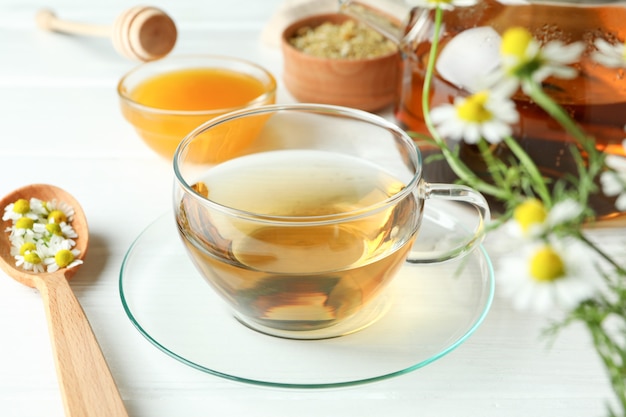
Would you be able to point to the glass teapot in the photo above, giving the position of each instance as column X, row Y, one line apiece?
column 469, row 48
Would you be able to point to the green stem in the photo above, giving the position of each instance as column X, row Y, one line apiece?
column 490, row 162
column 538, row 180
column 618, row 268
column 590, row 167
column 428, row 78
column 540, row 97
column 593, row 313
column 458, row 167
column 611, row 355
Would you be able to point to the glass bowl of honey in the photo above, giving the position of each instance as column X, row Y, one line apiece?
column 166, row 99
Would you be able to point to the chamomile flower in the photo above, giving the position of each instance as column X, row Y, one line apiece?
column 441, row 4
column 531, row 218
column 55, row 229
column 31, row 259
column 20, row 208
column 59, row 211
column 544, row 276
column 23, row 227
column 527, row 216
column 63, row 256
column 523, row 58
column 610, row 55
column 19, row 244
column 486, row 114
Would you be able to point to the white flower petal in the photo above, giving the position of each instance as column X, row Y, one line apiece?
column 571, row 292
column 451, row 129
column 608, row 60
column 564, row 211
column 607, row 48
column 563, row 72
column 543, row 298
column 442, row 113
column 464, row 3
column 616, row 162
column 558, row 52
column 503, row 85
column 620, row 203
column 496, row 132
column 611, row 185
column 609, row 55
column 472, row 133
column 524, row 297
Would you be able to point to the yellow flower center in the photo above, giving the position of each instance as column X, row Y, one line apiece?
column 57, row 216
column 515, row 42
column 24, row 223
column 27, row 247
column 473, row 108
column 63, row 258
column 546, row 265
column 530, row 212
column 32, row 258
column 21, row 206
column 54, row 229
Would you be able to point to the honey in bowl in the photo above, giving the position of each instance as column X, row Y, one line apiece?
column 198, row 89
column 166, row 100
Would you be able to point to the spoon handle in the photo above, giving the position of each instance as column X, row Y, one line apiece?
column 86, row 383
column 47, row 20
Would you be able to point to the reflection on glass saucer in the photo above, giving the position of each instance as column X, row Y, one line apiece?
column 434, row 309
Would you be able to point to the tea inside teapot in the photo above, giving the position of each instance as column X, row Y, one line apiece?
column 469, row 46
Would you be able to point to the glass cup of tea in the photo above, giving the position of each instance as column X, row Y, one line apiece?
column 303, row 230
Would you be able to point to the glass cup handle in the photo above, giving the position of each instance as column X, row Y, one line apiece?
column 449, row 243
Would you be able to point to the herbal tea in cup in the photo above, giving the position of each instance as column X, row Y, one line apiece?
column 302, row 233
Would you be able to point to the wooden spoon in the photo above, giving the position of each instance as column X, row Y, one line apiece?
column 87, row 387
column 141, row 33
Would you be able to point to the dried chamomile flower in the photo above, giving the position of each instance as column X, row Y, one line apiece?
column 41, row 234
column 348, row 40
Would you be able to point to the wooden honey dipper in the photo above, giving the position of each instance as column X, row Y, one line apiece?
column 141, row 33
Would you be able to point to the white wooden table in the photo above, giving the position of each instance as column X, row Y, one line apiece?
column 60, row 123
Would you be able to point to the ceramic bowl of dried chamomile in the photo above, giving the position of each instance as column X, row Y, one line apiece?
column 333, row 59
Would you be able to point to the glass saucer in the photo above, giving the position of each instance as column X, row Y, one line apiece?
column 434, row 309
